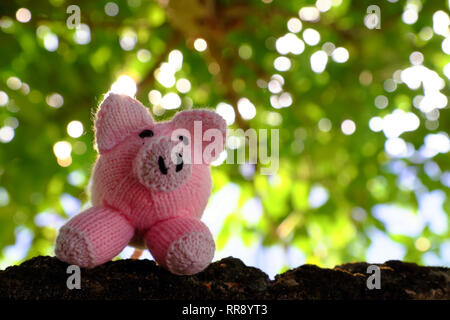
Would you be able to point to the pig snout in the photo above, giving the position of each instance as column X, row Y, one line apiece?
column 161, row 165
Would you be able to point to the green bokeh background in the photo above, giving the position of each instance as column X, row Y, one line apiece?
column 241, row 36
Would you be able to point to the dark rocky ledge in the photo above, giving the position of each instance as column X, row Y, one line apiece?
column 44, row 278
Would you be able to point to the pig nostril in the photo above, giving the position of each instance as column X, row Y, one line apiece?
column 162, row 166
column 179, row 166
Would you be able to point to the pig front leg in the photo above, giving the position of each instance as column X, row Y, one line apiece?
column 93, row 237
column 182, row 245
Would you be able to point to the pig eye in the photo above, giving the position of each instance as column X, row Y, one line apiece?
column 184, row 139
column 146, row 133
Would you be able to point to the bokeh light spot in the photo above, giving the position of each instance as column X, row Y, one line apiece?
column 124, row 85
column 294, row 25
column 75, row 129
column 62, row 149
column 200, row 45
column 171, row 101
column 55, row 100
column 111, row 9
column 246, row 109
column 227, row 112
column 348, row 127
column 23, row 15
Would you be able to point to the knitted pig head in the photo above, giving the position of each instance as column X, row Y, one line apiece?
column 150, row 186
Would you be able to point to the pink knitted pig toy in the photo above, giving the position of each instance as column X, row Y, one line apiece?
column 145, row 190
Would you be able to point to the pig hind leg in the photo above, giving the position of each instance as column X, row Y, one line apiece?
column 182, row 245
column 93, row 237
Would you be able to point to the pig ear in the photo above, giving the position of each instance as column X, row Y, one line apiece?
column 193, row 120
column 117, row 117
column 209, row 120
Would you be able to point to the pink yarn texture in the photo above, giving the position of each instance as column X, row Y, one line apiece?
column 145, row 192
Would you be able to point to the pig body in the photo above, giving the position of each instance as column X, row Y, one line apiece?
column 124, row 192
column 142, row 194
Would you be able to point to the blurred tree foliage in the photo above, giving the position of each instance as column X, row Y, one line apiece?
column 51, row 75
